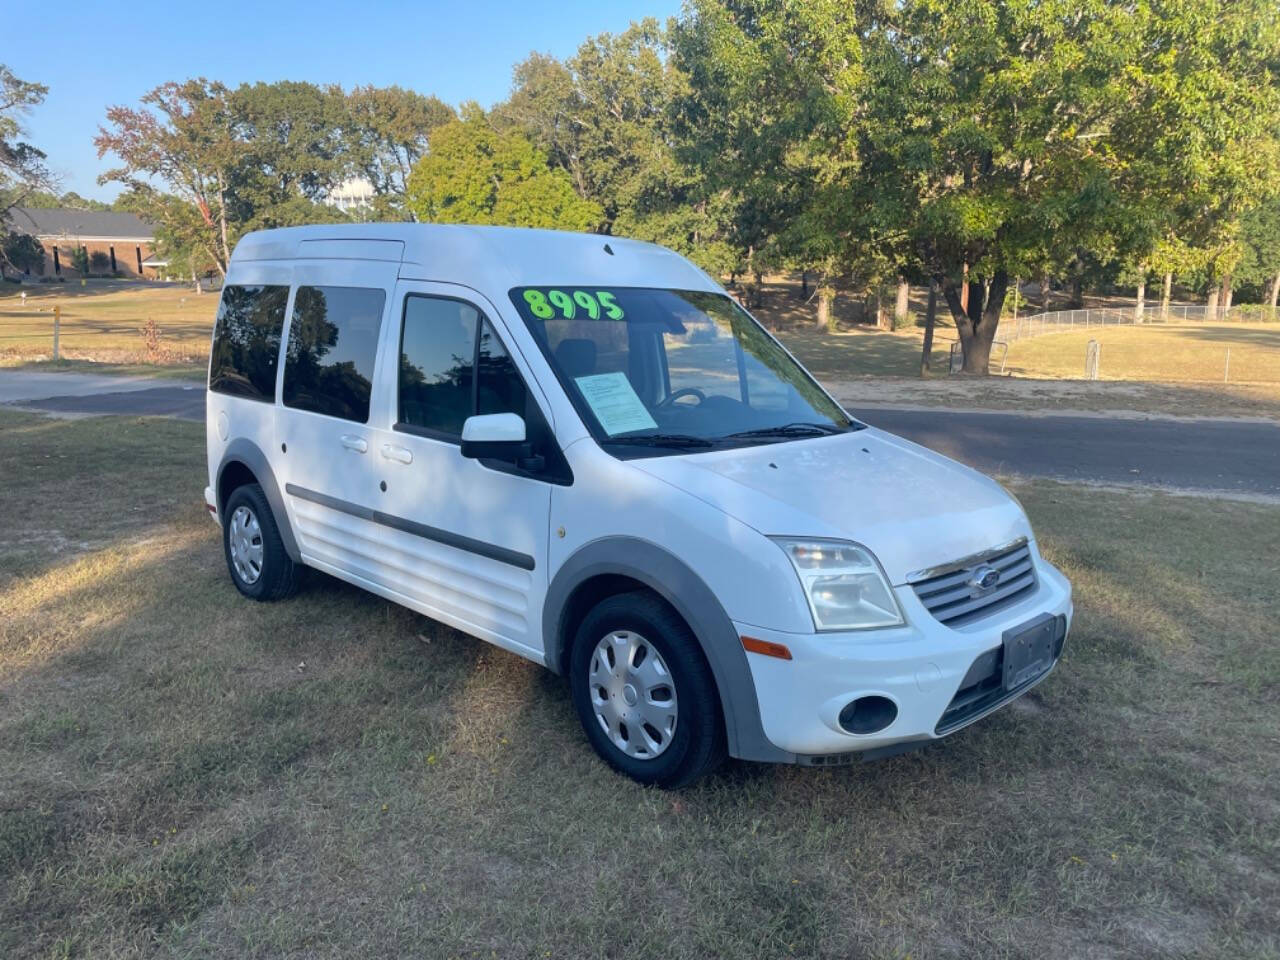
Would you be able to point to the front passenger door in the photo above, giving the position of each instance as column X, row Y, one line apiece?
column 469, row 543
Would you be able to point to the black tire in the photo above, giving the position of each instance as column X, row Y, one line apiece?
column 277, row 576
column 697, row 743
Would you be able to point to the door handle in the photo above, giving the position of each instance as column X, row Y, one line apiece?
column 399, row 454
column 352, row 442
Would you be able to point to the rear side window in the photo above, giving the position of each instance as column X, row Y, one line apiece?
column 246, row 342
column 333, row 341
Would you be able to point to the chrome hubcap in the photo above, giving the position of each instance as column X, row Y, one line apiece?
column 245, row 540
column 633, row 695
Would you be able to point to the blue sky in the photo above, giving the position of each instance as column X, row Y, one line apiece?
column 103, row 55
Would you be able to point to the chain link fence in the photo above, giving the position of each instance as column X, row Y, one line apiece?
column 1063, row 321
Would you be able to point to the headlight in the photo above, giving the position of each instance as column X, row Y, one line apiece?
column 843, row 583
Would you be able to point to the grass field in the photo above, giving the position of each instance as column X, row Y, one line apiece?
column 1174, row 353
column 187, row 773
column 105, row 322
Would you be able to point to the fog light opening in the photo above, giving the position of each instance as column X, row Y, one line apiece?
column 868, row 714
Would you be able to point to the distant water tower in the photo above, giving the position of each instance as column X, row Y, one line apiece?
column 351, row 196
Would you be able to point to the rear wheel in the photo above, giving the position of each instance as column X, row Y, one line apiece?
column 644, row 692
column 259, row 565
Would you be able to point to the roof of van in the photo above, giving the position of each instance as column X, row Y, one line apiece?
column 493, row 258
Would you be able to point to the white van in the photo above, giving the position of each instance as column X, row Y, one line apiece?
column 579, row 448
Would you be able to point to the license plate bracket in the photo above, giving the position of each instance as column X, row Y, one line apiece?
column 1028, row 651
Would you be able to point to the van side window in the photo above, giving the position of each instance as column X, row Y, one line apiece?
column 333, row 341
column 437, row 363
column 246, row 341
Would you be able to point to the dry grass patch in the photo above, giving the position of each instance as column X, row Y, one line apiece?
column 191, row 774
column 1176, row 353
column 156, row 325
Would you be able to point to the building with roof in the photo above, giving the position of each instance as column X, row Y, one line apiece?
column 125, row 241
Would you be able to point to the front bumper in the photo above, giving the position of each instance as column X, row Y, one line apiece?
column 920, row 667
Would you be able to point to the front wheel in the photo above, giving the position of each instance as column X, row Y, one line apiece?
column 259, row 565
column 644, row 692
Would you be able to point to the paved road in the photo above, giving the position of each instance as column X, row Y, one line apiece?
column 91, row 393
column 1234, row 456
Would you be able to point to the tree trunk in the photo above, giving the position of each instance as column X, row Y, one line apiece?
column 1141, row 300
column 759, row 298
column 824, row 308
column 1226, row 292
column 1275, row 289
column 964, row 288
column 1077, row 292
column 1167, row 293
column 804, row 284
column 902, row 303
column 1044, row 292
column 1211, row 303
column 224, row 259
column 976, row 326
column 930, row 315
column 195, row 278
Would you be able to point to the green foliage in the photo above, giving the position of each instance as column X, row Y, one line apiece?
column 22, row 252
column 607, row 118
column 478, row 174
column 22, row 167
column 1088, row 140
column 386, row 130
column 79, row 260
column 99, row 261
column 48, row 200
column 1259, row 244
column 1010, row 137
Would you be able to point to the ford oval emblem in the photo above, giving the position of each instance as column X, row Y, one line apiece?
column 983, row 579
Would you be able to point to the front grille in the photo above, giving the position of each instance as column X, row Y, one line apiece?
column 952, row 600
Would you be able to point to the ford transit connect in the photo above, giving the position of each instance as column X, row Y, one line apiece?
column 580, row 449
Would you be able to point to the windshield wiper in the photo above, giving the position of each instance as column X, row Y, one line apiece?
column 788, row 430
column 663, row 440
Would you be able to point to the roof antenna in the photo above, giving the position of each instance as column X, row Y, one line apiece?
column 608, row 249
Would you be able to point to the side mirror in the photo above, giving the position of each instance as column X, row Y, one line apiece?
column 494, row 436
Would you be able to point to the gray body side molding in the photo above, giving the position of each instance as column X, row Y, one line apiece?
column 683, row 589
column 247, row 452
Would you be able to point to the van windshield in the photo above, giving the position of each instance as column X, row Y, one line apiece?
column 659, row 371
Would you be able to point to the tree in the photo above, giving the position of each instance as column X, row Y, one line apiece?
column 766, row 118
column 48, row 200
column 182, row 237
column 291, row 153
column 1060, row 130
column 606, row 117
column 22, row 166
column 1260, row 250
column 386, row 131
column 185, row 136
column 22, row 252
column 476, row 174
column 79, row 260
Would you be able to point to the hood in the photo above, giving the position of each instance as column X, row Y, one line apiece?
column 911, row 507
